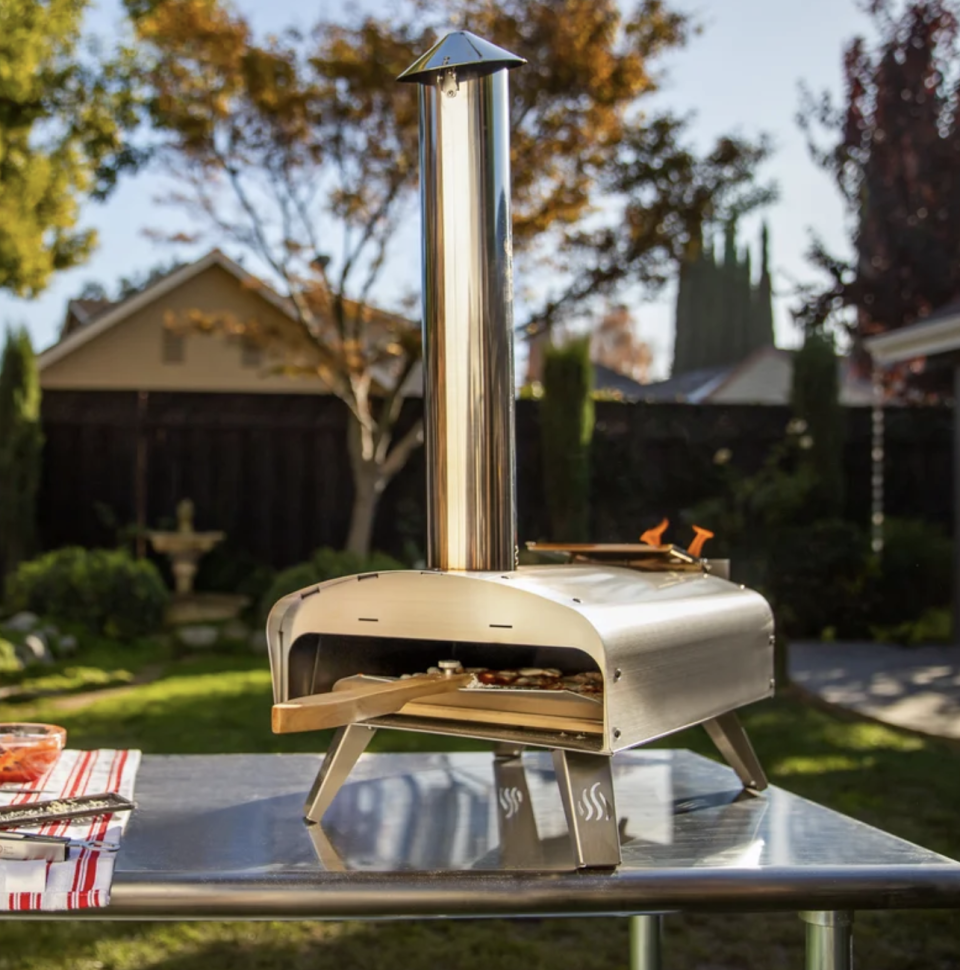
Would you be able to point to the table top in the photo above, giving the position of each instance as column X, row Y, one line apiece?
column 222, row 836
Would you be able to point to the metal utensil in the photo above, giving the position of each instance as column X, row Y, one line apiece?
column 62, row 809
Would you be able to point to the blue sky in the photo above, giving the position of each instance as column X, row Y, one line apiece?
column 740, row 74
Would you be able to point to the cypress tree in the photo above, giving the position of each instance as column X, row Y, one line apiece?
column 721, row 317
column 566, row 431
column 21, row 441
column 763, row 335
column 743, row 346
column 724, row 336
column 816, row 400
column 705, row 307
column 686, row 292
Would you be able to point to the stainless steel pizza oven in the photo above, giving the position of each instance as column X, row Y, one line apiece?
column 614, row 648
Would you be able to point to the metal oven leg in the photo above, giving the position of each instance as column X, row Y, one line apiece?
column 727, row 733
column 348, row 744
column 586, row 789
column 829, row 940
column 520, row 845
column 645, row 946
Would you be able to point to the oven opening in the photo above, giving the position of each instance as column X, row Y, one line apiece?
column 317, row 661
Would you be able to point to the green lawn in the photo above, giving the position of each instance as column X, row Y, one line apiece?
column 905, row 784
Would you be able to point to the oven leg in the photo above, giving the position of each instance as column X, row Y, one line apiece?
column 645, row 941
column 348, row 744
column 520, row 845
column 586, row 790
column 829, row 940
column 727, row 733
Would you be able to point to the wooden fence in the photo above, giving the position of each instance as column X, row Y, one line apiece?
column 271, row 470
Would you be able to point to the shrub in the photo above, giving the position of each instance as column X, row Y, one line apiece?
column 566, row 431
column 916, row 572
column 106, row 591
column 821, row 577
column 8, row 657
column 21, row 444
column 325, row 564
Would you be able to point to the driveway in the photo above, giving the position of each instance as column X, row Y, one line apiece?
column 916, row 687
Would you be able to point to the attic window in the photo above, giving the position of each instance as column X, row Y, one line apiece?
column 174, row 347
column 250, row 354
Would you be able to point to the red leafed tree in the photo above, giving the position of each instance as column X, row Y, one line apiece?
column 895, row 161
column 615, row 344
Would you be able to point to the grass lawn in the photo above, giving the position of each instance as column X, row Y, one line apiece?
column 905, row 784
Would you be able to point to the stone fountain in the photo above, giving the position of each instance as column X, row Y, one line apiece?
column 184, row 547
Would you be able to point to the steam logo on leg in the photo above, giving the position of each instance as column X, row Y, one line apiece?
column 510, row 801
column 593, row 805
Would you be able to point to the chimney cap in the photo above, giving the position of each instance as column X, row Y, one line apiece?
column 464, row 50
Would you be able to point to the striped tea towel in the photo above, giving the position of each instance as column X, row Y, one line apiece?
column 83, row 881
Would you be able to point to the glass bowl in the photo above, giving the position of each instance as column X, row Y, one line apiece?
column 29, row 751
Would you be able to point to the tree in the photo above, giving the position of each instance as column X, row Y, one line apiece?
column 129, row 285
column 303, row 153
column 614, row 343
column 21, row 441
column 566, row 430
column 63, row 123
column 762, row 312
column 721, row 316
column 816, row 402
column 894, row 158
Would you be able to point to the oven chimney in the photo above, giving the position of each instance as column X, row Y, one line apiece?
column 467, row 255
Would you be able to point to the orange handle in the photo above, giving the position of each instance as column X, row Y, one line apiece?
column 654, row 537
column 700, row 537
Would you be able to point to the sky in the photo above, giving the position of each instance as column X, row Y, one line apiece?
column 741, row 74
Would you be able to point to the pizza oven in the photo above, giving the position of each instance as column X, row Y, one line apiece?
column 613, row 647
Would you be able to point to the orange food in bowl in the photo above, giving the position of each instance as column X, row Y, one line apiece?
column 29, row 751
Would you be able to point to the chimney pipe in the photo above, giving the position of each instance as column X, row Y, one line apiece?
column 467, row 259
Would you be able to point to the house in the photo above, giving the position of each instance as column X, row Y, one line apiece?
column 127, row 346
column 765, row 377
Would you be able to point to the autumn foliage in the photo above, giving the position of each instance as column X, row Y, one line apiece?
column 301, row 151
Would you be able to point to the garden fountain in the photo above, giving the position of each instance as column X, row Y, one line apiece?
column 184, row 547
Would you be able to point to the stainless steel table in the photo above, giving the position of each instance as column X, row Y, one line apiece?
column 221, row 837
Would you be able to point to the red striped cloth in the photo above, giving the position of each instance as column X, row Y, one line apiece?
column 83, row 881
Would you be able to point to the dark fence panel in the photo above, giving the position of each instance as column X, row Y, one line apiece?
column 272, row 470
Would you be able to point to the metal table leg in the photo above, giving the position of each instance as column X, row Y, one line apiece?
column 645, row 942
column 829, row 940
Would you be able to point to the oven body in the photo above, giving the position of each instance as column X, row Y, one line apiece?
column 673, row 649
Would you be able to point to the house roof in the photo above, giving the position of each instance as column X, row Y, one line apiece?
column 87, row 310
column 694, row 387
column 706, row 386
column 607, row 379
column 937, row 334
column 115, row 313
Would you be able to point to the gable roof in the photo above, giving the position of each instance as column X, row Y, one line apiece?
column 114, row 313
column 704, row 386
column 693, row 387
column 607, row 379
